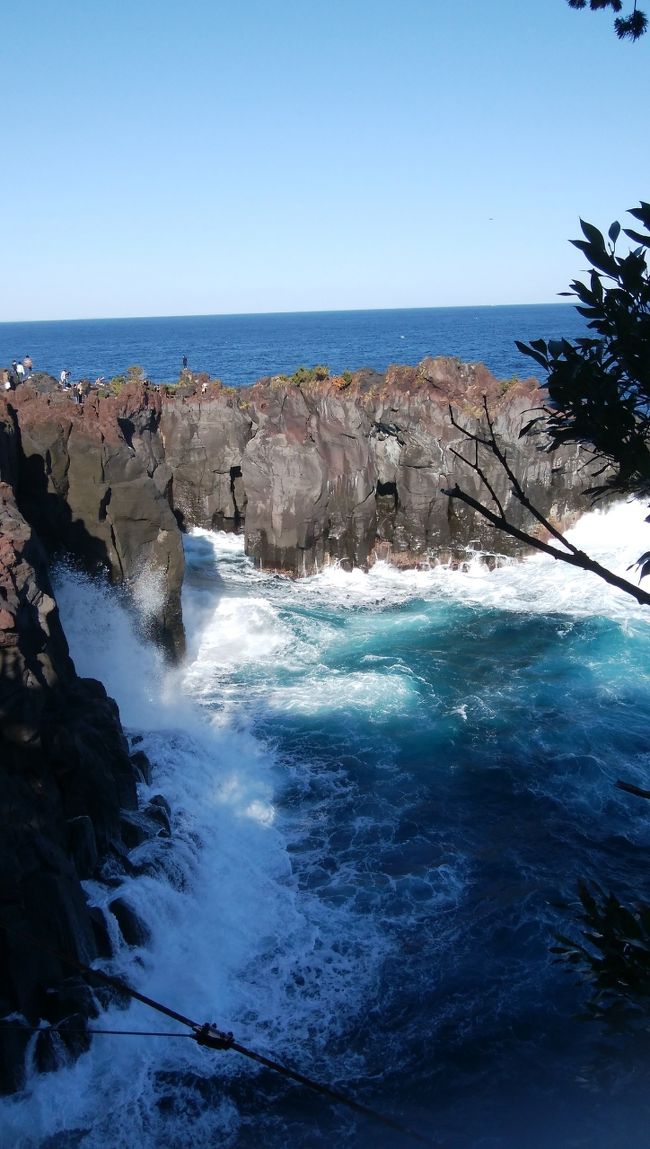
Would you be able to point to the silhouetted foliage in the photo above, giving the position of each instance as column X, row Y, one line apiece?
column 629, row 27
column 598, row 393
column 599, row 386
column 613, row 957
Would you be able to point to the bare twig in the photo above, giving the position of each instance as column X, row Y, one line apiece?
column 571, row 554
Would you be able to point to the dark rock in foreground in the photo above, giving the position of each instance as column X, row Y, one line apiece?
column 65, row 775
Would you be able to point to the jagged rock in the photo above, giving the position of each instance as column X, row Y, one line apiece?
column 309, row 479
column 132, row 928
column 141, row 765
column 73, row 1031
column 356, row 473
column 204, row 440
column 159, row 810
column 14, row 1040
column 71, row 996
column 142, row 825
column 94, row 483
column 65, row 774
column 88, row 753
column 83, row 845
column 59, row 1044
column 321, row 472
column 101, row 935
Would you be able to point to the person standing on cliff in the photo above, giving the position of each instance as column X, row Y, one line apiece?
column 185, row 363
column 27, row 364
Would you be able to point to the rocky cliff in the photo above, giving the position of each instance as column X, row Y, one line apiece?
column 93, row 482
column 325, row 470
column 66, row 779
column 321, row 470
column 352, row 469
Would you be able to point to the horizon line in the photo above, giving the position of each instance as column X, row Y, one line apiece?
column 270, row 314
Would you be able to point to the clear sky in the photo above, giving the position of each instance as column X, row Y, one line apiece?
column 171, row 157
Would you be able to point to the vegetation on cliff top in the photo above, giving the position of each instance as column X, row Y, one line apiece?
column 631, row 26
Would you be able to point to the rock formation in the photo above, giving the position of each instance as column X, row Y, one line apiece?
column 93, row 482
column 328, row 470
column 346, row 469
column 351, row 470
column 65, row 779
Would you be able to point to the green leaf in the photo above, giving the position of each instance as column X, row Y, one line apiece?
column 638, row 237
column 532, row 353
column 592, row 234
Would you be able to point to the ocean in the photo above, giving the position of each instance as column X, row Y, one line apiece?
column 238, row 349
column 384, row 787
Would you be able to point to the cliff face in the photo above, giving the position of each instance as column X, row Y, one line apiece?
column 93, row 482
column 203, row 440
column 335, row 470
column 65, row 778
column 338, row 470
column 354, row 471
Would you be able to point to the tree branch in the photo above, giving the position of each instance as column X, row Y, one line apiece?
column 571, row 554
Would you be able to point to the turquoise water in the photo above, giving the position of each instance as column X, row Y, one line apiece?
column 448, row 773
column 382, row 786
column 239, row 349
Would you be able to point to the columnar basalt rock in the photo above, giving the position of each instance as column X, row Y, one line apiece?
column 346, row 470
column 204, row 438
column 351, row 471
column 309, row 479
column 416, row 448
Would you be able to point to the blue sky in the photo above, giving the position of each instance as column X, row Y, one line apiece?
column 198, row 157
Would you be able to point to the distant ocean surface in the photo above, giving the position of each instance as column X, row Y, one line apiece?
column 238, row 349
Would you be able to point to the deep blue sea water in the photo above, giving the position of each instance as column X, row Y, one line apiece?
column 383, row 786
column 238, row 349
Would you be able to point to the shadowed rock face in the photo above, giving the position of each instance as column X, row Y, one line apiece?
column 64, row 768
column 204, row 441
column 93, row 482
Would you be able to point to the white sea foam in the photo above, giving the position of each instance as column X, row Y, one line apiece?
column 233, row 939
column 253, row 925
column 615, row 537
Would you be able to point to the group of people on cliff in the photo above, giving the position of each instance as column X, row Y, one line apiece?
column 19, row 371
column 80, row 390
